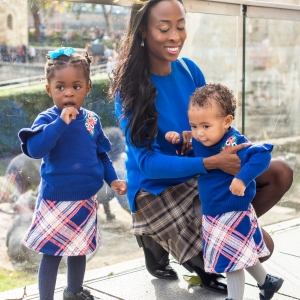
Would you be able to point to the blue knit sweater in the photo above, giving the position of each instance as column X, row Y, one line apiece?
column 215, row 195
column 74, row 159
column 158, row 169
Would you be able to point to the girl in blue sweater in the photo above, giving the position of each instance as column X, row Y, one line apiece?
column 73, row 148
column 232, row 239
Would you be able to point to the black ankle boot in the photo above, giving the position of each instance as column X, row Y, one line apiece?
column 271, row 285
column 82, row 295
column 210, row 281
column 156, row 258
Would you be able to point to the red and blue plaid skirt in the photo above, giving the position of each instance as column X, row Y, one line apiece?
column 232, row 241
column 64, row 227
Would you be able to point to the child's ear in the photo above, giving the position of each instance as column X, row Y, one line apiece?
column 48, row 90
column 228, row 121
column 88, row 89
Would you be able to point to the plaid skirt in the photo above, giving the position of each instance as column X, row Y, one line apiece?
column 64, row 227
column 232, row 241
column 170, row 219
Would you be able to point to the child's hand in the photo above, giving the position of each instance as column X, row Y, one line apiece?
column 119, row 186
column 68, row 114
column 187, row 145
column 237, row 187
column 172, row 137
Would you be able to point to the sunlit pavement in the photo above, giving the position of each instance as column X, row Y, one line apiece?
column 131, row 281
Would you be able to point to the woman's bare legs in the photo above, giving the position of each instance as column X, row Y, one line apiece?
column 270, row 187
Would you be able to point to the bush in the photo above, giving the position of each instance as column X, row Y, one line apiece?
column 20, row 106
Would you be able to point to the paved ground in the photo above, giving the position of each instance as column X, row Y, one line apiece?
column 131, row 281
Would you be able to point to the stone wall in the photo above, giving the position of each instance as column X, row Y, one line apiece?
column 13, row 23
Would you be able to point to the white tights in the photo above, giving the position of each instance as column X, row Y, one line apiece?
column 236, row 280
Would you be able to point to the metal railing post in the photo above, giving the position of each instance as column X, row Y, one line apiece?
column 244, row 69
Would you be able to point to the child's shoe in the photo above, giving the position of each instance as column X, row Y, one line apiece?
column 82, row 295
column 270, row 287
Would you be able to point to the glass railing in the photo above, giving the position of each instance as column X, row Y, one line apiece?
column 265, row 81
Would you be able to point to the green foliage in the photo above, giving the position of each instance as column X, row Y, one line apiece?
column 20, row 106
column 56, row 40
column 13, row 279
column 193, row 280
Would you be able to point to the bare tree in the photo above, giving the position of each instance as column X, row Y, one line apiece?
column 35, row 8
column 107, row 16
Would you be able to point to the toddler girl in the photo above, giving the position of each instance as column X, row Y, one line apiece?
column 232, row 239
column 73, row 148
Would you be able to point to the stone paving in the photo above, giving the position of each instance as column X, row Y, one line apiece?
column 131, row 281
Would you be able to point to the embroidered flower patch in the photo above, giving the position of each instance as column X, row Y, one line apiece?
column 230, row 142
column 90, row 122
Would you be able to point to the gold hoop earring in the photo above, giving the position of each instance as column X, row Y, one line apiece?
column 143, row 43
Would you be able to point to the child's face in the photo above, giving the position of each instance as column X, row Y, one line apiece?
column 68, row 87
column 206, row 124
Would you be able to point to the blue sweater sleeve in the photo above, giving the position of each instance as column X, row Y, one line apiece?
column 156, row 165
column 38, row 140
column 255, row 159
column 104, row 146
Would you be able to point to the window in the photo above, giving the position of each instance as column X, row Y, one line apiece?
column 9, row 22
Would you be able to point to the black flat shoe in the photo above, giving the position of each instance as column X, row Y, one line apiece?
column 82, row 295
column 163, row 272
column 210, row 281
column 271, row 285
column 156, row 259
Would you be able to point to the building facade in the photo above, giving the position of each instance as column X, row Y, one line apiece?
column 13, row 22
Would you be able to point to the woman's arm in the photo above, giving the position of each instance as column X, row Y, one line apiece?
column 156, row 165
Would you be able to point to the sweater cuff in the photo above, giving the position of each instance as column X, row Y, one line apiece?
column 245, row 176
column 59, row 125
column 110, row 176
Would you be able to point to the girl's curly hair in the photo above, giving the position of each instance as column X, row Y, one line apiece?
column 216, row 93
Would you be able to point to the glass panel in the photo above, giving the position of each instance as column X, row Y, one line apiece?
column 23, row 96
column 292, row 2
column 272, row 98
column 212, row 44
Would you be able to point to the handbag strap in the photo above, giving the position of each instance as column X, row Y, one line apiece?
column 185, row 66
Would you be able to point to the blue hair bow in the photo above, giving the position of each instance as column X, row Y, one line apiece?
column 60, row 51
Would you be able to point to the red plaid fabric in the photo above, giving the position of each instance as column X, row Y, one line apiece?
column 232, row 241
column 64, row 228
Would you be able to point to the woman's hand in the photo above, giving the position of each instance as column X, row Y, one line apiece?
column 227, row 160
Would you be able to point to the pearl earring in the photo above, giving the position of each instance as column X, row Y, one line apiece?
column 143, row 43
